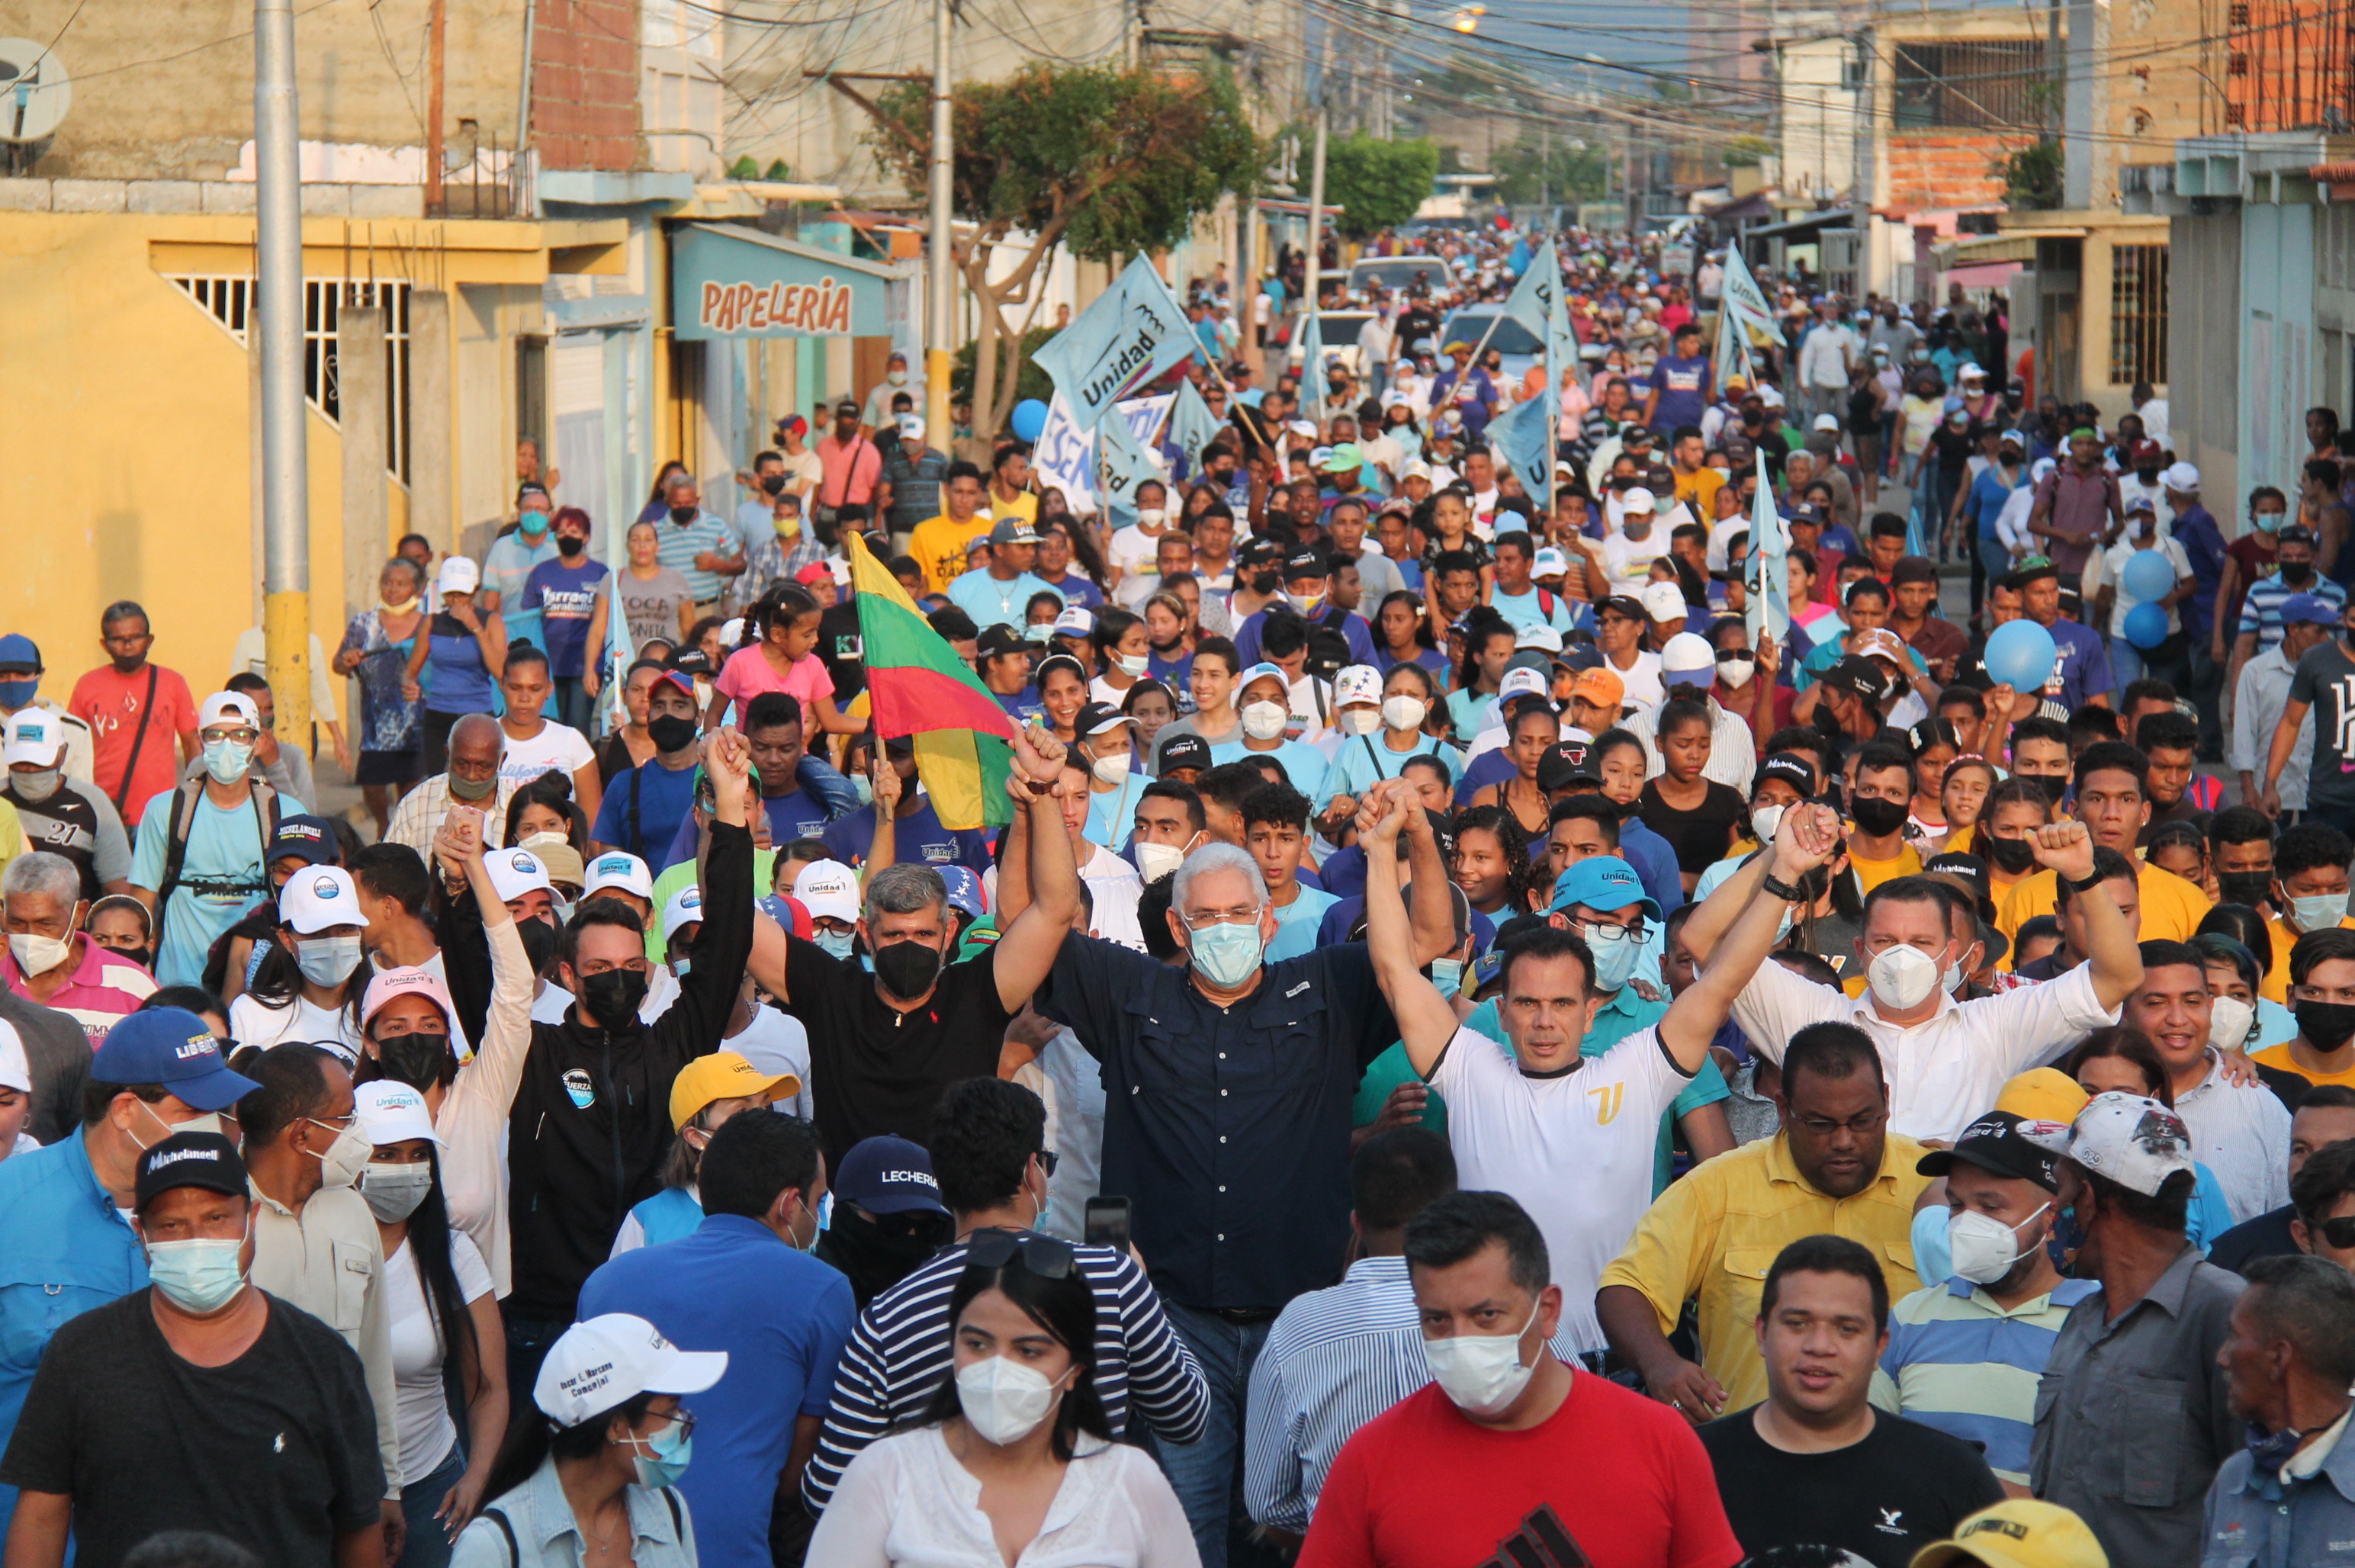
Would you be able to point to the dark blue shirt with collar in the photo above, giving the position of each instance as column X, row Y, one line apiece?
column 2261, row 1519
column 2203, row 544
column 919, row 838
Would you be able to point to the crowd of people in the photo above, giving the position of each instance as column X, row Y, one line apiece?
column 1444, row 1047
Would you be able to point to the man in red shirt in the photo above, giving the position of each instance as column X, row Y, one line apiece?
column 851, row 467
column 1511, row 1455
column 136, row 712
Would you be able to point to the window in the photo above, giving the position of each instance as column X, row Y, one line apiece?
column 229, row 300
column 2137, row 315
column 1993, row 84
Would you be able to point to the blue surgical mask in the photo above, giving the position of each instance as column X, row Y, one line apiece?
column 1615, row 959
column 15, row 694
column 532, row 525
column 2268, row 522
column 1227, row 954
column 2323, row 912
column 327, row 960
column 671, row 1449
column 227, row 760
column 200, row 1276
column 836, row 943
column 1447, row 973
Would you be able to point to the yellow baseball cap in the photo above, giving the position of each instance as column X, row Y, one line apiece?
column 2020, row 1533
column 723, row 1075
column 2043, row 1094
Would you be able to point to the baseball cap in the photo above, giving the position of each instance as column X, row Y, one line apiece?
column 685, row 908
column 17, row 648
column 2180, row 477
column 619, row 870
column 2018, row 1532
column 885, row 1175
column 1687, row 652
column 2043, row 1094
column 1536, row 634
column 314, row 900
column 1826, row 421
column 1880, row 643
column 1792, row 769
column 1185, row 752
column 1855, row 674
column 2142, row 506
column 1600, row 687
column 2130, row 1139
column 189, row 1160
column 1550, row 562
column 1602, row 882
column 310, row 839
column 911, row 427
column 847, row 406
column 1074, row 622
column 680, row 677
column 232, row 706
column 1343, row 458
column 608, row 1360
column 458, row 574
column 515, row 872
column 175, row 1048
column 964, row 888
column 1993, row 1144
column 829, row 890
column 34, row 735
column 1565, row 763
column 1307, row 561
column 1000, row 638
column 2305, row 609
column 562, row 863
column 1096, row 717
column 15, row 1068
column 1522, row 682
column 1013, row 531
column 2011, row 438
column 1259, row 671
column 723, row 1075
column 390, row 1112
column 1664, row 601
column 389, row 983
column 1357, row 683
column 1637, row 499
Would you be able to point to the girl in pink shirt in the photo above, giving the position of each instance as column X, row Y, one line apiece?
column 785, row 620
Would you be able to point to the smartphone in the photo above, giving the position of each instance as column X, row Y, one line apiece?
column 1107, row 1223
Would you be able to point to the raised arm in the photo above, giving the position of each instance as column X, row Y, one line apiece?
column 693, row 1025
column 1030, row 939
column 1426, row 1023
column 1708, row 924
column 883, row 843
column 1806, row 839
column 1435, row 921
column 2066, row 849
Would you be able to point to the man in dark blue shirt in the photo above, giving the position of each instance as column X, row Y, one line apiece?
column 799, row 793
column 2195, row 529
column 1682, row 385
column 643, row 807
column 918, row 835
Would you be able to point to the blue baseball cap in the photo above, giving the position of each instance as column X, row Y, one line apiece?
column 1603, row 882
column 17, row 648
column 965, row 890
column 175, row 1048
column 2298, row 609
column 885, row 1175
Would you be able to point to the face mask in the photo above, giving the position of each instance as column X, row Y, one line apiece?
column 2250, row 887
column 836, row 943
column 1134, row 664
column 1447, row 973
column 614, row 996
column 1736, row 673
column 15, row 694
column 897, row 378
column 2326, row 1025
column 1614, row 961
column 774, row 483
column 210, row 1123
column 2297, row 576
column 664, row 1461
column 1003, row 1401
column 1154, row 861
column 1306, row 603
column 1111, row 770
column 1405, row 713
column 327, row 960
column 1984, row 1247
column 1481, row 1372
column 1878, row 817
column 788, row 527
column 394, row 1191
column 1150, row 518
column 2268, row 522
column 227, row 760
column 344, row 1158
column 1359, row 721
column 532, row 525
column 2228, row 1023
column 35, row 784
column 538, row 939
column 198, row 1276
column 1227, row 954
column 2054, row 785
column 406, row 606
column 1765, row 821
column 139, row 955
column 906, row 969
column 1265, row 720
column 39, row 954
column 462, row 788
column 683, row 516
column 670, row 732
column 2320, row 912
column 1262, row 582
column 1903, row 977
column 569, row 545
column 416, row 1060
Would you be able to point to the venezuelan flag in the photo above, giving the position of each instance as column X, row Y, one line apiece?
column 918, row 685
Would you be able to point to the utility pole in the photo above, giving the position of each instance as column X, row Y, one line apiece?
column 940, row 331
column 278, row 317
column 1864, row 175
column 1316, row 234
column 437, row 29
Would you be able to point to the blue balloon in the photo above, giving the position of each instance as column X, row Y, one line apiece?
column 2148, row 575
column 1030, row 417
column 2020, row 655
column 2146, row 626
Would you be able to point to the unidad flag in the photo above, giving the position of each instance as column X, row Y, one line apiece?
column 1065, row 457
column 1744, row 320
column 1122, row 464
column 1134, row 332
column 1192, row 425
column 1524, row 433
column 1312, row 367
column 1766, row 600
column 1536, row 297
column 918, row 685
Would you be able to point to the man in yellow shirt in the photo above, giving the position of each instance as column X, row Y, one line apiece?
column 2114, row 803
column 2322, row 995
column 939, row 543
column 1835, row 1168
column 1009, row 476
column 2310, row 890
column 1877, row 851
column 1696, row 484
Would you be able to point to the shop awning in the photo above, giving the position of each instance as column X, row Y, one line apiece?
column 733, row 281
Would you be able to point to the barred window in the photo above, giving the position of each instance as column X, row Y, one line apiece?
column 1991, row 84
column 2137, row 315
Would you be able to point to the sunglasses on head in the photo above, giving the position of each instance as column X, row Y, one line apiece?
column 2339, row 1233
column 1049, row 1257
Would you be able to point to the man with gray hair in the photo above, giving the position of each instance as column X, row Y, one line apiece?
column 885, row 1042
column 698, row 544
column 2284, row 1497
column 1232, row 1132
column 51, row 960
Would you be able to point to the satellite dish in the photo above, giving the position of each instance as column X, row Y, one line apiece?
column 35, row 91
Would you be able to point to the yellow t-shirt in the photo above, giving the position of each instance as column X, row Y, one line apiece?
column 2278, row 1056
column 1699, row 490
column 938, row 544
column 2275, row 987
column 1024, row 506
column 1871, row 874
column 2172, row 907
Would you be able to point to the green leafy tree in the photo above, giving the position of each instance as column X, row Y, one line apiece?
column 1377, row 183
column 1747, row 152
column 1105, row 161
column 2030, row 175
column 1567, row 171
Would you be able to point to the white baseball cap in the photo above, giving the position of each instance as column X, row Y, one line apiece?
column 1074, row 622
column 392, row 1112
column 318, row 897
column 1687, row 652
column 1665, row 602
column 620, row 870
column 829, row 890
column 1264, row 671
column 685, row 908
column 1826, row 421
column 1357, row 683
column 911, row 427
column 231, row 705
column 15, row 1070
column 515, row 872
column 1521, row 683
column 1550, row 562
column 1638, row 500
column 2130, row 1139
column 458, row 575
column 609, row 1361
column 1538, row 635
column 34, row 735
column 2182, row 478
column 731, row 632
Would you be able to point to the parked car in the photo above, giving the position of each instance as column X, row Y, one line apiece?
column 1520, row 346
column 1340, row 328
column 1372, row 273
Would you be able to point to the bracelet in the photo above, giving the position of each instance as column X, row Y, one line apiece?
column 1782, row 889
column 2088, row 884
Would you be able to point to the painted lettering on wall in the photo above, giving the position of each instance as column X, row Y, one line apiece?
column 823, row 307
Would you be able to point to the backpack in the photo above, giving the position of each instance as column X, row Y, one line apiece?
column 176, row 840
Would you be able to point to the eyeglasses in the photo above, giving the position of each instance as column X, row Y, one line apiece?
column 1824, row 1126
column 1595, row 931
column 1049, row 1257
column 682, row 1418
column 1202, row 920
column 2339, row 1233
column 242, row 737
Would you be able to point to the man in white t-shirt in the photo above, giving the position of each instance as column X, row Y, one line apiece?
column 1571, row 1139
column 1628, row 554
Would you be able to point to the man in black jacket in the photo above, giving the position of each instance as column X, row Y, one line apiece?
column 590, row 1121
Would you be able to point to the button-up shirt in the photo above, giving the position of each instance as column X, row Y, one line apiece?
column 418, row 816
column 1947, row 1068
column 1959, row 1362
column 1732, row 751
column 1336, row 1359
column 548, row 1535
column 2131, row 1419
column 677, row 545
column 1230, row 1125
column 2305, row 1515
column 2082, row 506
column 1710, row 1238
column 328, row 1261
column 2258, row 703
column 2242, row 1135
column 64, row 1249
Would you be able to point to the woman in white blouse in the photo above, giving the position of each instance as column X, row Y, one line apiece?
column 1012, row 1463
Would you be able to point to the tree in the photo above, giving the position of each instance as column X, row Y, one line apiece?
column 1105, row 161
column 1377, row 184
column 1566, row 172
column 2030, row 175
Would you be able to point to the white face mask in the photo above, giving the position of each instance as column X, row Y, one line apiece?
column 1359, row 721
column 897, row 378
column 1764, row 820
column 1154, row 861
column 1111, row 770
column 1405, row 713
column 1481, row 1372
column 1984, row 1247
column 1151, row 517
column 394, row 1191
column 1902, row 977
column 38, row 955
column 1003, row 1401
column 1736, row 673
column 1265, row 720
column 2229, row 1021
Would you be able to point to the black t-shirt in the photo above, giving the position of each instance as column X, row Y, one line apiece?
column 875, row 1069
column 1955, row 446
column 840, row 649
column 275, row 1450
column 1700, row 836
column 1883, row 1499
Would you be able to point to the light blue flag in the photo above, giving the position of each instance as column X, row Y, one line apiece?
column 1524, row 433
column 1122, row 464
column 1312, row 366
column 1134, row 332
column 1192, row 425
column 1537, row 296
column 1742, row 312
column 1766, row 587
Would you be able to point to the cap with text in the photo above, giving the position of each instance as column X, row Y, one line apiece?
column 609, row 1361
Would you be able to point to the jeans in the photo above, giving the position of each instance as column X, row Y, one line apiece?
column 428, row 1546
column 571, row 705
column 528, row 1342
column 1208, row 1474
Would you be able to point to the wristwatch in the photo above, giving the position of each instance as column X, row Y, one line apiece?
column 2088, row 884
column 1782, row 889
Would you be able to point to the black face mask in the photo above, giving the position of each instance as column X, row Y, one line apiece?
column 143, row 956
column 568, row 546
column 2054, row 785
column 2012, row 855
column 775, row 484
column 1877, row 817
column 538, row 942
column 1262, row 581
column 877, row 1253
column 670, row 732
column 2326, row 1025
column 416, row 1060
column 906, row 969
column 683, row 516
column 2297, row 576
column 613, row 997
column 2250, row 887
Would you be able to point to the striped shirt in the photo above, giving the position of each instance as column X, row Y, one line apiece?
column 899, row 1353
column 2261, row 609
column 681, row 543
column 1334, row 1359
column 1958, row 1362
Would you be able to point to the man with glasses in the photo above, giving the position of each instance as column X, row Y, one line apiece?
column 198, row 864
column 136, row 711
